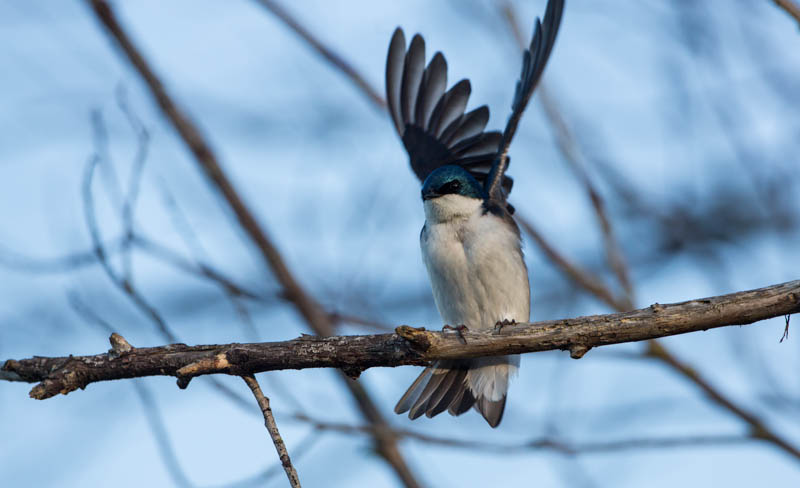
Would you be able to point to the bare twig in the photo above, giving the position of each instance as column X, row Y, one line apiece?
column 547, row 443
column 87, row 313
column 132, row 195
column 192, row 242
column 570, row 151
column 317, row 318
column 121, row 282
column 272, row 428
column 409, row 345
column 170, row 457
column 785, row 334
column 125, row 285
column 790, row 7
column 326, row 52
column 303, row 447
column 197, row 268
column 655, row 350
column 758, row 429
column 581, row 277
column 61, row 264
column 159, row 430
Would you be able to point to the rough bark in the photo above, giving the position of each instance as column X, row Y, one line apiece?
column 408, row 346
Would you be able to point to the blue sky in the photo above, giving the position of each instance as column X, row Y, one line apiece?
column 673, row 98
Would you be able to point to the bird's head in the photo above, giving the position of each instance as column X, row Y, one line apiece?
column 450, row 192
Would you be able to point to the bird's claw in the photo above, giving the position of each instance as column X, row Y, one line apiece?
column 502, row 323
column 459, row 330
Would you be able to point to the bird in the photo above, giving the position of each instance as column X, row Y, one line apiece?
column 470, row 243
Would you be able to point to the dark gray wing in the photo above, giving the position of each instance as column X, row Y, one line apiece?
column 533, row 63
column 432, row 122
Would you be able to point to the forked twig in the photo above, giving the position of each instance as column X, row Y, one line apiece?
column 311, row 311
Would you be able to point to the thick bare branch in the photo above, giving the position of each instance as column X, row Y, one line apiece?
column 408, row 345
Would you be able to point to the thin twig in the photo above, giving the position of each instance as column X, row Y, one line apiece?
column 190, row 238
column 121, row 283
column 326, row 52
column 542, row 443
column 159, row 429
column 272, row 428
column 259, row 479
column 134, row 183
column 61, row 264
column 125, row 286
column 570, row 151
column 581, row 277
column 317, row 318
column 655, row 349
column 758, row 429
column 197, row 268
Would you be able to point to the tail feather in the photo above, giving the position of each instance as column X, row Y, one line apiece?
column 450, row 387
column 462, row 403
column 411, row 395
column 457, row 386
column 435, row 381
column 492, row 410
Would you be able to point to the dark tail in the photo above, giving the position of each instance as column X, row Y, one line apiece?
column 445, row 386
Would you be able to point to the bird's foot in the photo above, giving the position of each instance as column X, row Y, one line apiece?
column 459, row 330
column 502, row 323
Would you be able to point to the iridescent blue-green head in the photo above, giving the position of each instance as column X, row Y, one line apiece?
column 449, row 180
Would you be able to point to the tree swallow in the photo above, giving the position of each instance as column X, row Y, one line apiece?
column 470, row 243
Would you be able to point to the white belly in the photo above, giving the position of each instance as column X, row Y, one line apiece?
column 476, row 271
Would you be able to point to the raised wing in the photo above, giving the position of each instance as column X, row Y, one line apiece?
column 432, row 122
column 533, row 63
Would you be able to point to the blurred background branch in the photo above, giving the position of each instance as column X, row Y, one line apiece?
column 306, row 306
column 664, row 169
column 790, row 7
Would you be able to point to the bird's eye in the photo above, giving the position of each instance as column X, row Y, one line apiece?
column 450, row 187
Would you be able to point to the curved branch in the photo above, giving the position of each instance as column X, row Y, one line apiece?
column 311, row 311
column 790, row 8
column 408, row 346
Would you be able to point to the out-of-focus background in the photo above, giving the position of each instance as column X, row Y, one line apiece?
column 681, row 115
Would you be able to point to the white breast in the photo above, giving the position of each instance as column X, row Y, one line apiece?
column 475, row 264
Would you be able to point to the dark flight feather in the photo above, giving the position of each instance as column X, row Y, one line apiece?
column 430, row 119
column 534, row 61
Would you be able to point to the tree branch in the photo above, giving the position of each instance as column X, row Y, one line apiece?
column 311, row 311
column 544, row 443
column 326, row 52
column 408, row 346
column 272, row 428
column 790, row 8
column 568, row 146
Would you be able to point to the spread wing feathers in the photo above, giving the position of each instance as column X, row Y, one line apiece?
column 431, row 120
column 533, row 63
